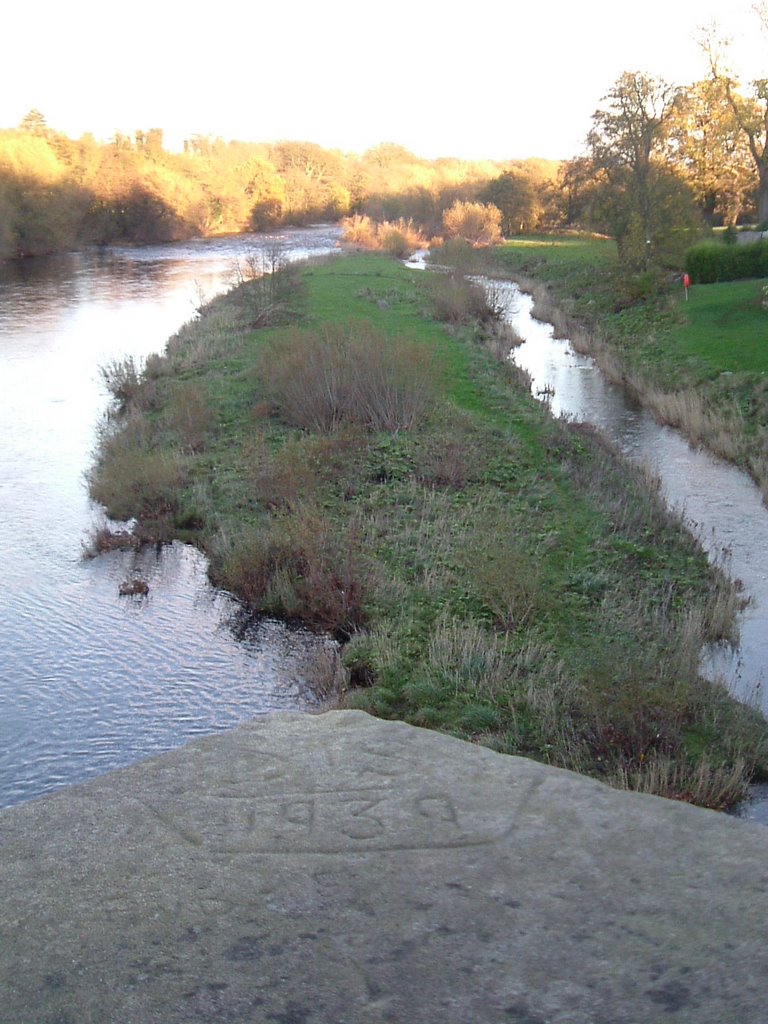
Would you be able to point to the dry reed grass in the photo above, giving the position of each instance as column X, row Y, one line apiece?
column 348, row 375
column 703, row 783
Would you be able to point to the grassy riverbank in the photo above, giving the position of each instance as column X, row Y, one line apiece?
column 351, row 461
column 701, row 365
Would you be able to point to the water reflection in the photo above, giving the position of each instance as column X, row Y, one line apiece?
column 92, row 680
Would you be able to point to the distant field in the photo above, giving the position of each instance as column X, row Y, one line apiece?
column 565, row 258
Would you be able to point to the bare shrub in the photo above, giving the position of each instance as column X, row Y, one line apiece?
column 398, row 238
column 299, row 568
column 359, row 230
column 394, row 242
column 477, row 223
column 457, row 299
column 321, row 380
column 124, row 380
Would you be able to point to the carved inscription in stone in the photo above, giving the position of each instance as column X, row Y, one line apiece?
column 329, row 821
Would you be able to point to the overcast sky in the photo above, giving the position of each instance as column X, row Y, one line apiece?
column 479, row 79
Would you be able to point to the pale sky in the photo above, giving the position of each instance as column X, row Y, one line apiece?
column 498, row 80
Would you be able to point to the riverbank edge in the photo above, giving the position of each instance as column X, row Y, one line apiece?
column 448, row 662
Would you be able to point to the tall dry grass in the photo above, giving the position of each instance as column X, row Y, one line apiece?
column 322, row 380
column 703, row 783
column 299, row 566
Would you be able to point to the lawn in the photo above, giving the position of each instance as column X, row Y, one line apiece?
column 725, row 327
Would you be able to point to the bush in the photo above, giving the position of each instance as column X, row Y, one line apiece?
column 348, row 375
column 298, row 568
column 711, row 262
column 140, row 482
column 458, row 300
column 477, row 223
column 123, row 379
column 398, row 238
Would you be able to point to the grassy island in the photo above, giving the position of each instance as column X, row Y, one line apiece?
column 352, row 449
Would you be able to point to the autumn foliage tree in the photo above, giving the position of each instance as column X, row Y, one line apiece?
column 476, row 223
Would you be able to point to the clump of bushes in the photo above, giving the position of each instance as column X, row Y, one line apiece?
column 321, row 380
column 135, row 477
column 711, row 262
column 398, row 237
column 301, row 567
column 476, row 223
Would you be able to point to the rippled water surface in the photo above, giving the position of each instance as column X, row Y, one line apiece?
column 90, row 680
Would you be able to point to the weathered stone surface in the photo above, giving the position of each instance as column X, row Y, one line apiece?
column 332, row 869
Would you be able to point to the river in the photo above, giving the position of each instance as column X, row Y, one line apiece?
column 91, row 680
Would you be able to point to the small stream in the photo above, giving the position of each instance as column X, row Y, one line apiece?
column 718, row 502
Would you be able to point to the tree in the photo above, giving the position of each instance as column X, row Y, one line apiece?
column 708, row 146
column 626, row 137
column 515, row 196
column 578, row 181
column 750, row 112
column 35, row 123
column 477, row 223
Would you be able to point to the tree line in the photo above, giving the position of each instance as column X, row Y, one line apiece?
column 58, row 193
column 664, row 163
column 661, row 164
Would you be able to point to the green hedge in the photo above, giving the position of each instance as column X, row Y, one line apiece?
column 711, row 261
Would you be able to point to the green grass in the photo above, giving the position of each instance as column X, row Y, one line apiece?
column 494, row 573
column 724, row 327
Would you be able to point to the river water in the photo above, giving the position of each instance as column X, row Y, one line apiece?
column 89, row 680
column 719, row 503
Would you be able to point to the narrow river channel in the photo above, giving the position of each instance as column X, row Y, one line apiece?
column 720, row 504
column 90, row 680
